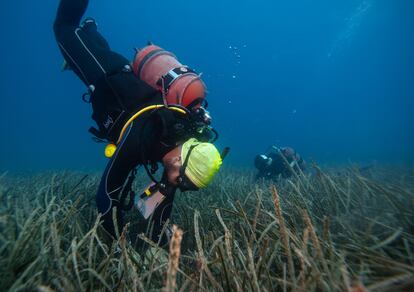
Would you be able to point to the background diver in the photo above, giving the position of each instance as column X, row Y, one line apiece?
column 132, row 106
column 278, row 162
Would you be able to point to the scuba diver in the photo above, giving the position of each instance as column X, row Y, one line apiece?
column 150, row 110
column 278, row 162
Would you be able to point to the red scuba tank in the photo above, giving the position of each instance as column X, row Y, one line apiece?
column 161, row 70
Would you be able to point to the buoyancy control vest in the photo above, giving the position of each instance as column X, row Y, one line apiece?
column 156, row 77
column 115, row 98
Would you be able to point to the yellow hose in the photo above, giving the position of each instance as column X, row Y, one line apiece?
column 111, row 148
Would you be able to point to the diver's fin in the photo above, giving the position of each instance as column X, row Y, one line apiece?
column 65, row 66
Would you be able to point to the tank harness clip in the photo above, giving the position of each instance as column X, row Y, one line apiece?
column 126, row 69
column 86, row 97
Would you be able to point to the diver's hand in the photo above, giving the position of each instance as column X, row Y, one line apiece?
column 149, row 200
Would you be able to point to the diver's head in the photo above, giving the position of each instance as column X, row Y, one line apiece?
column 192, row 165
column 288, row 152
column 261, row 162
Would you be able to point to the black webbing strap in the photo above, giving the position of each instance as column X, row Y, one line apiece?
column 168, row 79
column 185, row 184
column 188, row 156
column 127, row 190
column 200, row 100
column 224, row 153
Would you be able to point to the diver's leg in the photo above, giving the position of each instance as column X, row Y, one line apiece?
column 125, row 159
column 84, row 49
column 90, row 27
column 70, row 12
column 161, row 214
column 107, row 197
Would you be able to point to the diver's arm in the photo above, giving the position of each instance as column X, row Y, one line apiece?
column 162, row 215
column 70, row 12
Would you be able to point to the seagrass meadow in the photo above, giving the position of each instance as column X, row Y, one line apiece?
column 342, row 229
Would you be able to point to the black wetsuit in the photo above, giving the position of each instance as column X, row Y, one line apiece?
column 117, row 94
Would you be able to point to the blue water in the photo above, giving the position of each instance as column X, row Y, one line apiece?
column 333, row 79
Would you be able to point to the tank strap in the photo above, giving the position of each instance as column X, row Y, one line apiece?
column 199, row 100
column 168, row 79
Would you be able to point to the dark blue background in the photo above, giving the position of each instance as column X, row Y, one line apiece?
column 333, row 79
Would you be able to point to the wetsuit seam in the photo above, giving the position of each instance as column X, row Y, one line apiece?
column 74, row 62
column 87, row 49
column 109, row 171
column 162, row 212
